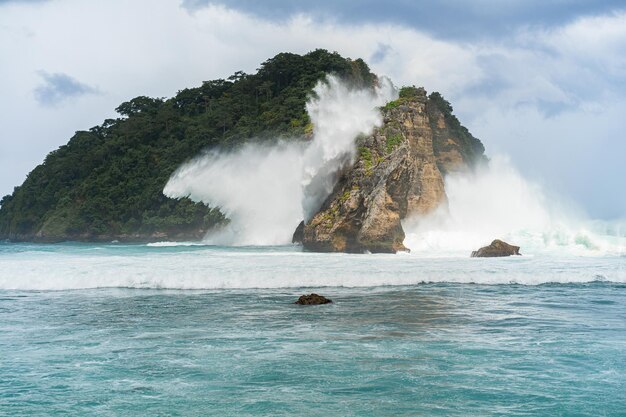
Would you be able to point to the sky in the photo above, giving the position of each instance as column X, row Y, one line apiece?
column 542, row 82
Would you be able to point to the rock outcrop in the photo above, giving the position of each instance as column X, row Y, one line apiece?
column 398, row 171
column 497, row 248
column 313, row 299
column 298, row 235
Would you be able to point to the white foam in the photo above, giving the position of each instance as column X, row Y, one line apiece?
column 217, row 268
column 496, row 202
column 166, row 244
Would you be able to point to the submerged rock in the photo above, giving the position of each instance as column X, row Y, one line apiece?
column 313, row 299
column 398, row 172
column 497, row 248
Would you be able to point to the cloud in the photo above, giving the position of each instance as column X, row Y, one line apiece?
column 380, row 53
column 3, row 2
column 59, row 87
column 447, row 19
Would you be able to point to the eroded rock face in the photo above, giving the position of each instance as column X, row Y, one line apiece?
column 497, row 248
column 313, row 299
column 396, row 173
column 298, row 235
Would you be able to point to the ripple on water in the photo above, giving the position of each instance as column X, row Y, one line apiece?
column 434, row 350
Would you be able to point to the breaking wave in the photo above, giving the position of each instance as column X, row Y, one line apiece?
column 63, row 267
column 497, row 202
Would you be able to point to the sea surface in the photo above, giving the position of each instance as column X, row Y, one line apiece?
column 196, row 330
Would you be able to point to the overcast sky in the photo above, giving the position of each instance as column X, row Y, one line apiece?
column 544, row 82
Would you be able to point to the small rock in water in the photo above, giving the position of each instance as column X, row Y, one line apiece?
column 312, row 299
column 497, row 248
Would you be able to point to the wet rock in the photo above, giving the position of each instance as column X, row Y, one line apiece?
column 313, row 299
column 397, row 172
column 298, row 235
column 497, row 248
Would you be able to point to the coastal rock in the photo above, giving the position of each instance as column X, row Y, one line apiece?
column 298, row 235
column 398, row 172
column 313, row 299
column 497, row 248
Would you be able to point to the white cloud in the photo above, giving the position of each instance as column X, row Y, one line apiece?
column 549, row 85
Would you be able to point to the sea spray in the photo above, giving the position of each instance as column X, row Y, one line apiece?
column 265, row 191
column 496, row 201
column 257, row 188
column 339, row 114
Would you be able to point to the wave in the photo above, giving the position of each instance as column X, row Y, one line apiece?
column 283, row 267
column 497, row 202
column 174, row 244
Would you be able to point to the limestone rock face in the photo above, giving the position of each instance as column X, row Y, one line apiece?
column 497, row 248
column 397, row 172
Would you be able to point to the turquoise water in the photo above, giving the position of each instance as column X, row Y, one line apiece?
column 438, row 348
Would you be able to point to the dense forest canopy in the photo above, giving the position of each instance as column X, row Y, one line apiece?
column 106, row 183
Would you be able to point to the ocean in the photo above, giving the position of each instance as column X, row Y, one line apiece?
column 190, row 329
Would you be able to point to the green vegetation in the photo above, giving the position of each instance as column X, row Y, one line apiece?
column 391, row 105
column 411, row 92
column 471, row 148
column 365, row 154
column 107, row 182
column 406, row 94
column 392, row 141
column 329, row 216
column 345, row 196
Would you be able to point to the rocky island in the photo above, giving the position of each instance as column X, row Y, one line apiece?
column 399, row 171
column 107, row 183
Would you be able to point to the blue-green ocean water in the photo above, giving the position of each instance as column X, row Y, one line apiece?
column 120, row 330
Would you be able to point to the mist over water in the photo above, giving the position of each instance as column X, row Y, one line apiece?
column 257, row 188
column 266, row 191
column 339, row 115
column 497, row 202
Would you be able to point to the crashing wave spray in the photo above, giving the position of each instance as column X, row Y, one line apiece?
column 497, row 202
column 257, row 188
column 266, row 191
column 339, row 115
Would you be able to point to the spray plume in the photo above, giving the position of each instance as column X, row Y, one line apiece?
column 496, row 201
column 266, row 191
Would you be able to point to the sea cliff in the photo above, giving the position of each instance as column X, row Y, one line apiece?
column 399, row 171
